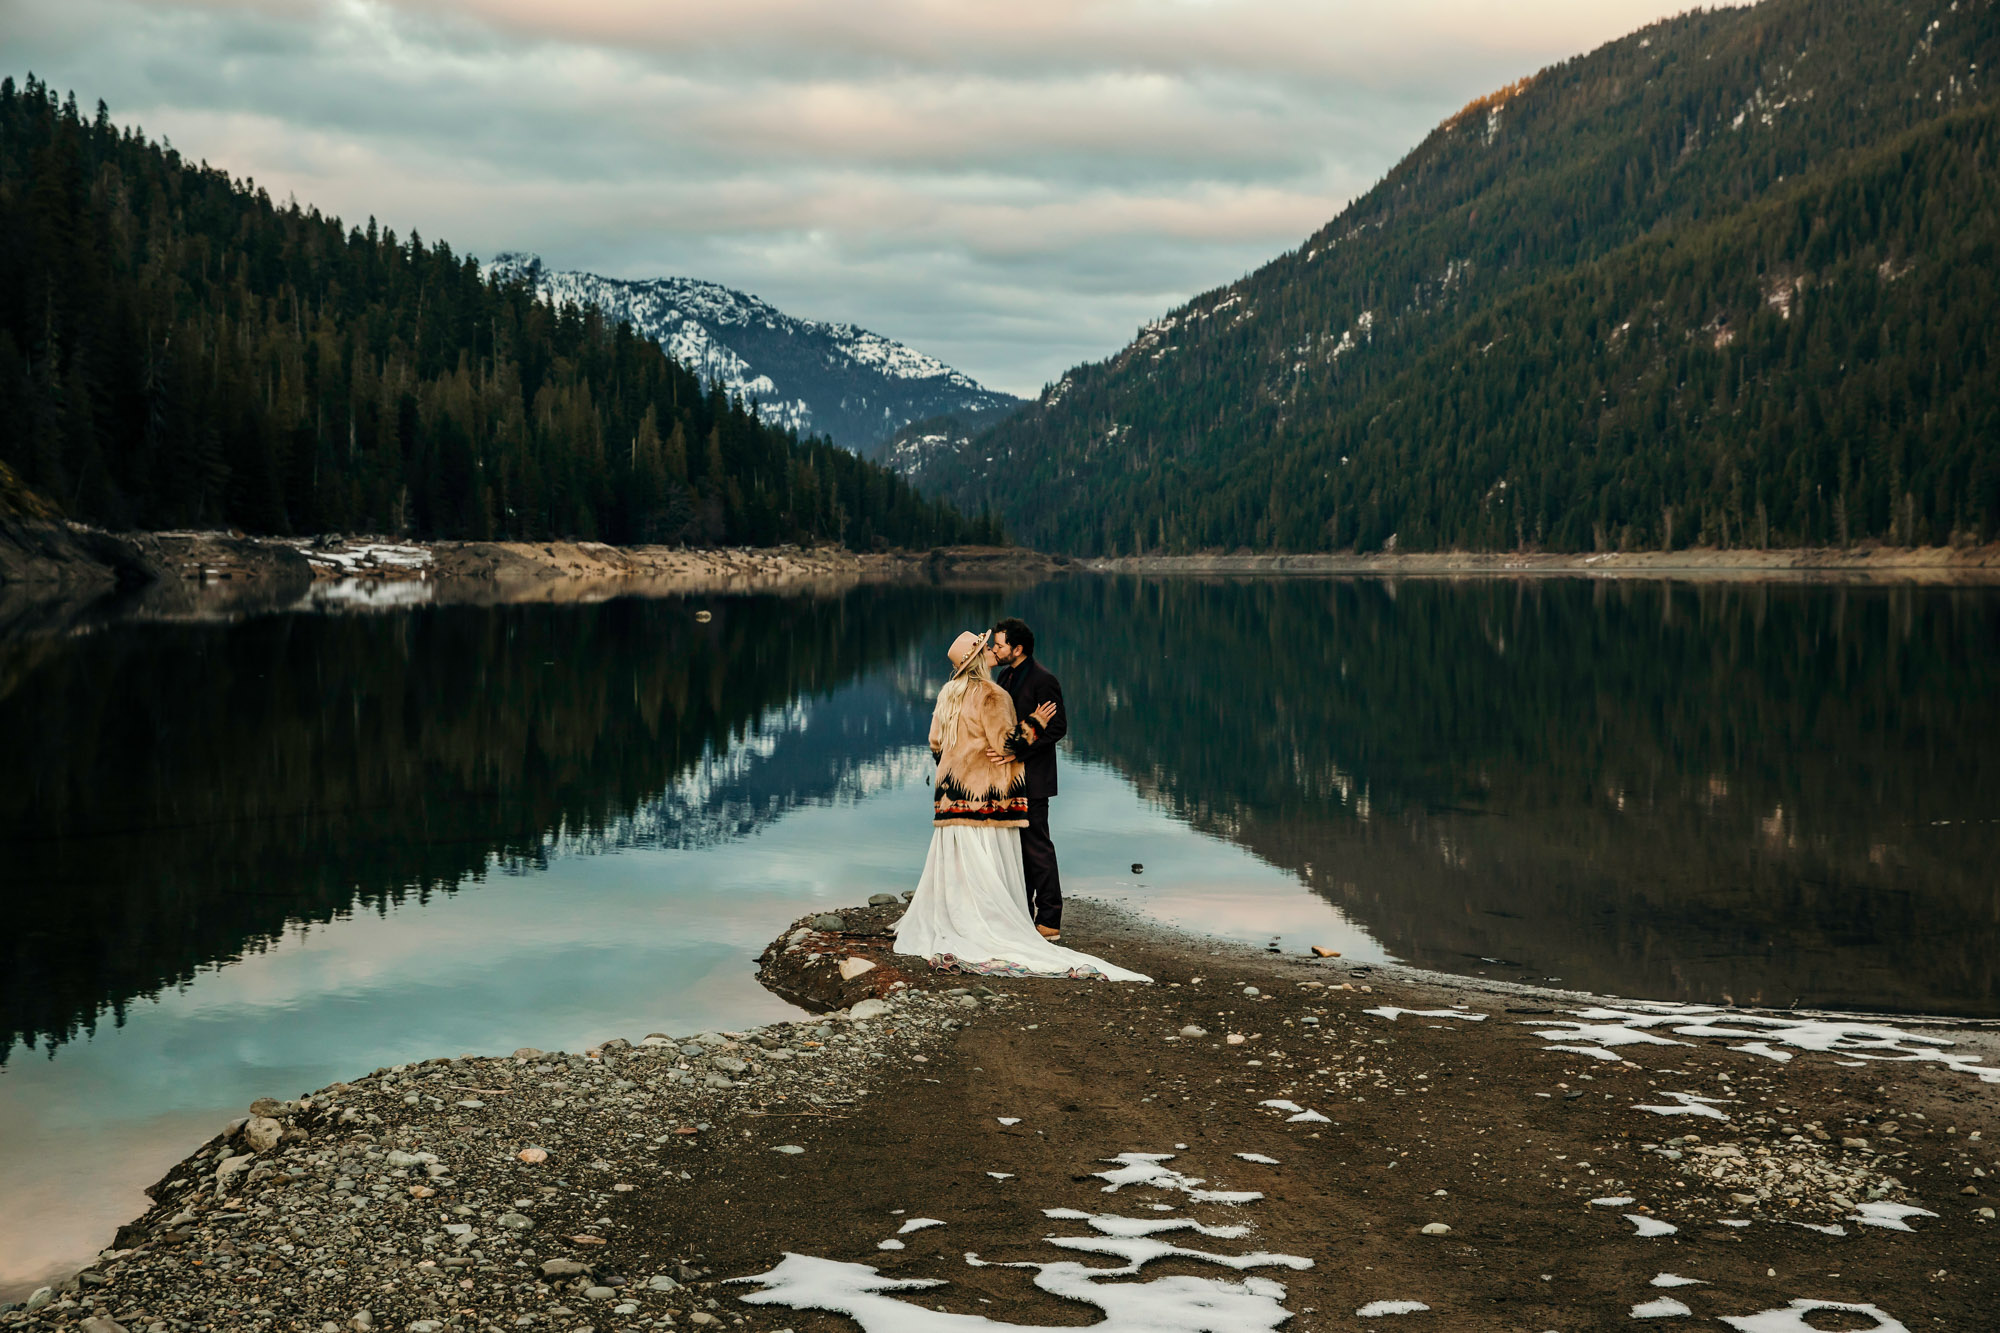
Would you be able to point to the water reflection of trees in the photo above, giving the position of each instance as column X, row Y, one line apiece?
column 177, row 796
column 1765, row 792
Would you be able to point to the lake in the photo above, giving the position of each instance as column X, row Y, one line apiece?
column 250, row 859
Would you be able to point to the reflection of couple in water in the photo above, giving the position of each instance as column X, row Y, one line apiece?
column 990, row 900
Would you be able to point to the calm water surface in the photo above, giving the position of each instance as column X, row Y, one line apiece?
column 249, row 860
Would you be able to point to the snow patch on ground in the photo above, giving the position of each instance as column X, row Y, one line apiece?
column 1112, row 1224
column 1375, row 1309
column 1660, row 1307
column 1144, row 1168
column 1391, row 1012
column 1174, row 1304
column 1650, row 1226
column 1889, row 1215
column 1633, row 1021
column 1793, row 1318
column 1686, row 1103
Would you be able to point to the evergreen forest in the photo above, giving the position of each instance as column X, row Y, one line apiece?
column 1727, row 281
column 179, row 350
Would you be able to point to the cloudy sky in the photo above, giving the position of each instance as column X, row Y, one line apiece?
column 1013, row 185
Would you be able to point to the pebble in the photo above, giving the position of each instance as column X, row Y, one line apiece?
column 1435, row 1229
column 533, row 1155
column 563, row 1267
column 1192, row 1032
column 868, row 1009
column 1252, row 991
column 599, row 1293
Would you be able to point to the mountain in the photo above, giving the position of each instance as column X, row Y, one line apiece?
column 854, row 387
column 1725, row 281
column 928, row 449
column 176, row 350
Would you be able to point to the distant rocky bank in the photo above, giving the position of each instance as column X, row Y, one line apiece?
column 1923, row 564
column 1496, row 1156
column 46, row 560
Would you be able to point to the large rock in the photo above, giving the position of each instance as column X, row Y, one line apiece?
column 229, row 1168
column 261, row 1133
column 563, row 1267
column 867, row 1009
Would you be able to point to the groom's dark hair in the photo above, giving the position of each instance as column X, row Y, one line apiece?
column 1017, row 633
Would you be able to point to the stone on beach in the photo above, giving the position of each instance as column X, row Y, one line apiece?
column 850, row 968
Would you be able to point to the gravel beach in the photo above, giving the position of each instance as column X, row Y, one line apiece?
column 1261, row 1137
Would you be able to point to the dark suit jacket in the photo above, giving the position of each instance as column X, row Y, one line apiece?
column 1031, row 685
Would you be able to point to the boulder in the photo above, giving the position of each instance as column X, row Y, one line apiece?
column 261, row 1133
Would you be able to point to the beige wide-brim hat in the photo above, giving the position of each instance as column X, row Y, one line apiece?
column 963, row 647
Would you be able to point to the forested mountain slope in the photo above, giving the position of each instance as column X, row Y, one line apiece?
column 178, row 350
column 854, row 387
column 1728, row 280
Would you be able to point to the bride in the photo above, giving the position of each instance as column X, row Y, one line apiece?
column 970, row 911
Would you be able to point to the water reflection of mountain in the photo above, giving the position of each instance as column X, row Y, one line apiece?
column 861, row 738
column 176, row 796
column 1761, row 792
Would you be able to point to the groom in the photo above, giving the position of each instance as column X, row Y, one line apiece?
column 1032, row 685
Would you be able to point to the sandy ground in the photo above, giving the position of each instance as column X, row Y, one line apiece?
column 1567, row 1203
column 1977, row 564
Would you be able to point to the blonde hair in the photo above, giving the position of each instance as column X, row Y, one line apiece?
column 951, row 699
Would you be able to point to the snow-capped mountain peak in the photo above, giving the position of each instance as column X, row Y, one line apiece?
column 837, row 380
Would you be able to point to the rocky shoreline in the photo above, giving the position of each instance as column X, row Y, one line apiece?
column 1484, row 1155
column 1927, row 564
column 59, row 578
column 55, row 554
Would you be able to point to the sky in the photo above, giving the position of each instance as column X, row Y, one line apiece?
column 1012, row 186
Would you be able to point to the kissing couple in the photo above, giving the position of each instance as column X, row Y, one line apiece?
column 990, row 900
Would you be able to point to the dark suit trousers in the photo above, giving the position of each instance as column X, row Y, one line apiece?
column 1038, row 865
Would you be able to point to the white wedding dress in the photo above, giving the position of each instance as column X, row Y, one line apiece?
column 971, row 912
